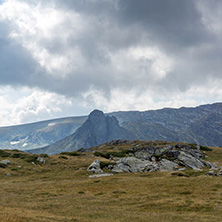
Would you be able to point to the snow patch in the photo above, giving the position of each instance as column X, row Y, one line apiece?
column 14, row 142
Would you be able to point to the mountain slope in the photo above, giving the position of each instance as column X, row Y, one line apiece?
column 183, row 124
column 97, row 129
column 33, row 135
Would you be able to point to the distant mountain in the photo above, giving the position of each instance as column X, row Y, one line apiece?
column 97, row 129
column 33, row 135
column 201, row 125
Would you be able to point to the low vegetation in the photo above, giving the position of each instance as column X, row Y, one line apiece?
column 61, row 190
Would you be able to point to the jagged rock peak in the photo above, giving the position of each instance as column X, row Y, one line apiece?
column 96, row 113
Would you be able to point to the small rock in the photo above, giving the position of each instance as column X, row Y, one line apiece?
column 153, row 159
column 8, row 175
column 95, row 167
column 101, row 175
column 219, row 174
column 7, row 162
column 41, row 160
column 211, row 173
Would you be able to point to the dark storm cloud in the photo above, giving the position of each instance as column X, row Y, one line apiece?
column 175, row 27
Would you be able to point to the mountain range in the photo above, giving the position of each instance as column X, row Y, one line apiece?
column 201, row 125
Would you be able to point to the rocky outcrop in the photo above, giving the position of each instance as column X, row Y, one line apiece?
column 167, row 158
column 130, row 164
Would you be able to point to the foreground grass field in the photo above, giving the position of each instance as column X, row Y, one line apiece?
column 60, row 190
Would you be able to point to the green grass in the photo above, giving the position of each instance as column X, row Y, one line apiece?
column 61, row 190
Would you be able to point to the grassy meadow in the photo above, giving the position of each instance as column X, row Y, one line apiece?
column 61, row 190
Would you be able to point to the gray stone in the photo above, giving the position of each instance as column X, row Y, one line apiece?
column 130, row 164
column 211, row 173
column 219, row 174
column 151, row 167
column 190, row 161
column 8, row 175
column 7, row 162
column 101, row 175
column 41, row 160
column 166, row 165
column 144, row 155
column 95, row 167
column 121, row 168
column 153, row 159
column 210, row 165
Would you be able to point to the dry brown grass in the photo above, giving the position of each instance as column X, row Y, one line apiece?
column 60, row 190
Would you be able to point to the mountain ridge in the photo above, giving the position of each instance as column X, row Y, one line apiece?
column 185, row 124
column 97, row 129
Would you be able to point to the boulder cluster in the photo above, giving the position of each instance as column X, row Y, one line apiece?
column 149, row 159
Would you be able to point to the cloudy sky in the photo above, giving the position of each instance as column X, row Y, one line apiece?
column 68, row 57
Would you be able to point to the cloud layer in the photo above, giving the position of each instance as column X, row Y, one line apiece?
column 110, row 54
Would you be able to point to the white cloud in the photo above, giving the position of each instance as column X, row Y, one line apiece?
column 107, row 54
column 35, row 27
column 132, row 100
column 142, row 63
column 31, row 105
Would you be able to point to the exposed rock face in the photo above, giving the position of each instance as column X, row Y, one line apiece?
column 95, row 167
column 190, row 161
column 168, row 158
column 130, row 164
column 202, row 124
column 167, row 165
column 97, row 129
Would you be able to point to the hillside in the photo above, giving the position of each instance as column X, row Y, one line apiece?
column 61, row 190
column 33, row 135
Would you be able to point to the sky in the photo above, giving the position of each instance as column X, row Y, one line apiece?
column 67, row 57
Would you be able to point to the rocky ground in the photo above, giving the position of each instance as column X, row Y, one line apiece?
column 145, row 158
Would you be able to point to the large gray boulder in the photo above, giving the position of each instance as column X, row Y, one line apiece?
column 166, row 165
column 130, row 164
column 95, row 167
column 190, row 161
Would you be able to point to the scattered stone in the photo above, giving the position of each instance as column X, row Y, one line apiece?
column 41, row 160
column 219, row 174
column 8, row 175
column 7, row 162
column 95, row 167
column 101, row 175
column 211, row 173
column 210, row 165
column 153, row 159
